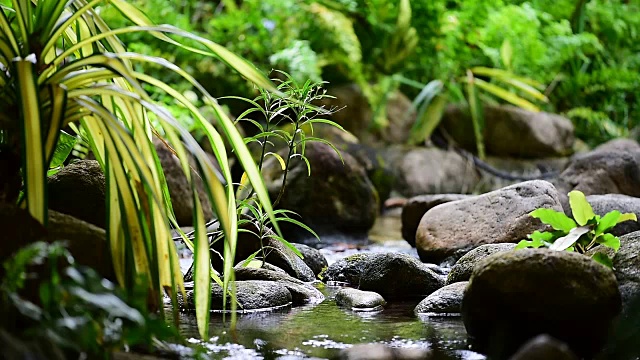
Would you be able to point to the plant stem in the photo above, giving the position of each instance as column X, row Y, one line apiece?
column 292, row 144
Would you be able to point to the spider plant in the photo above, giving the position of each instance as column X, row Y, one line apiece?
column 61, row 67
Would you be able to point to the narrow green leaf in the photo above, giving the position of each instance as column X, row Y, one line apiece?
column 555, row 219
column 202, row 278
column 283, row 166
column 506, row 95
column 476, row 113
column 506, row 53
column 580, row 207
column 33, row 161
column 627, row 217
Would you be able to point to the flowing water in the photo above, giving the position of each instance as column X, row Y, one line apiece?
column 322, row 331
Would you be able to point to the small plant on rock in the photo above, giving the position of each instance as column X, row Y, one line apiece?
column 587, row 231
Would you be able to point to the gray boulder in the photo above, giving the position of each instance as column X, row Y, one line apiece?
column 337, row 197
column 420, row 170
column 358, row 299
column 601, row 172
column 301, row 293
column 511, row 131
column 514, row 296
column 444, row 301
column 396, row 275
column 499, row 216
column 626, row 264
column 544, row 347
column 620, row 145
column 179, row 189
column 462, row 269
column 416, row 207
column 251, row 295
column 312, row 257
column 79, row 190
column 393, row 275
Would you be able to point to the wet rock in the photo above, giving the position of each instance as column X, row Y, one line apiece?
column 251, row 295
column 301, row 293
column 601, row 172
column 444, row 301
column 420, row 170
column 463, row 268
column 416, row 207
column 499, row 216
column 358, row 299
column 349, row 269
column 544, row 347
column 620, row 145
column 513, row 296
column 511, row 131
column 393, row 275
column 337, row 197
column 312, row 257
column 79, row 190
column 626, row 264
column 275, row 252
column 396, row 275
column 179, row 189
column 382, row 352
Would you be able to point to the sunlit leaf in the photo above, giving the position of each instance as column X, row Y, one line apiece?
column 580, row 207
column 557, row 220
column 609, row 240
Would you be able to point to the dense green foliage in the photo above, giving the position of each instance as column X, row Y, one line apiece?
column 587, row 231
column 585, row 51
column 65, row 311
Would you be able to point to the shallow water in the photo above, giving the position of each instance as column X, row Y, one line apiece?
column 322, row 331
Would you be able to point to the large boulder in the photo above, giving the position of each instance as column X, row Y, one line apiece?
column 421, row 170
column 446, row 301
column 79, row 190
column 619, row 144
column 514, row 296
column 251, row 295
column 416, row 207
column 179, row 188
column 356, row 116
column 463, row 268
column 337, row 197
column 499, row 216
column 392, row 275
column 511, row 131
column 601, row 172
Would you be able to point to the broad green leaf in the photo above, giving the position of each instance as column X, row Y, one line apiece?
column 526, row 244
column 627, row 217
column 542, row 236
column 555, row 219
column 607, row 222
column 570, row 239
column 580, row 207
column 609, row 240
column 65, row 145
column 603, row 259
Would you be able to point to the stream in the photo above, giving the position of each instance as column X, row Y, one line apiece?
column 322, row 331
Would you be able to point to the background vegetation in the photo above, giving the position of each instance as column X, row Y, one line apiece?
column 586, row 52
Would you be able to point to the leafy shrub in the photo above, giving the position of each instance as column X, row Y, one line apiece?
column 587, row 231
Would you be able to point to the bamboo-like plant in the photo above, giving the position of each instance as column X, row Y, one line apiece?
column 62, row 66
